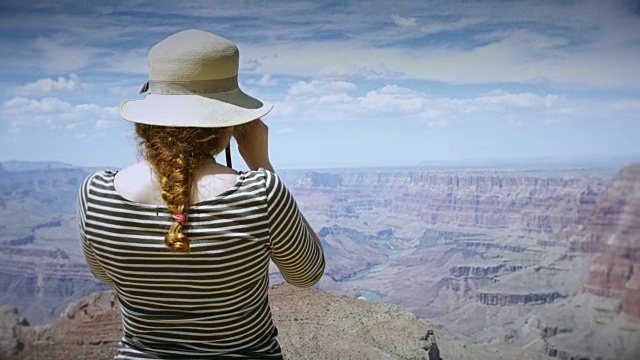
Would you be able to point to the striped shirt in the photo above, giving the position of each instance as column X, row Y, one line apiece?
column 210, row 303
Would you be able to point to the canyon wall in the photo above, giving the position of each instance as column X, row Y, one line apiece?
column 41, row 265
column 609, row 307
column 613, row 232
column 526, row 201
column 484, row 253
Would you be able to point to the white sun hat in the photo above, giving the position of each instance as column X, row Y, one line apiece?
column 193, row 81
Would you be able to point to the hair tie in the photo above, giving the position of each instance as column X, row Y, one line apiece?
column 180, row 218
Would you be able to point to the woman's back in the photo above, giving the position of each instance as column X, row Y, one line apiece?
column 213, row 300
column 138, row 183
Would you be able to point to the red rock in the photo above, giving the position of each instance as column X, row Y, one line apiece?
column 608, row 275
column 613, row 230
column 630, row 298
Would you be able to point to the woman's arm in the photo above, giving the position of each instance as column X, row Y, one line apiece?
column 296, row 248
column 96, row 269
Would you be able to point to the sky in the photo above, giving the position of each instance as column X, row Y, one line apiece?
column 353, row 83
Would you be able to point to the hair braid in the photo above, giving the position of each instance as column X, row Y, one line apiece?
column 174, row 153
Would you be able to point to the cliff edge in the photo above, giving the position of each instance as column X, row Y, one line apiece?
column 312, row 325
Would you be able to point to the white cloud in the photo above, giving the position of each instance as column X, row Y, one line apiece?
column 103, row 124
column 511, row 101
column 627, row 106
column 344, row 71
column 320, row 88
column 47, row 85
column 338, row 101
column 267, row 80
column 392, row 99
column 57, row 55
column 316, row 100
column 123, row 92
column 251, row 65
column 498, row 105
column 132, row 61
column 403, row 21
column 286, row 130
column 435, row 25
column 52, row 112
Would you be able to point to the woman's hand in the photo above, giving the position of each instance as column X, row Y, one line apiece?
column 253, row 145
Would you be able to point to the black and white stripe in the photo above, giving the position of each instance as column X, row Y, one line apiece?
column 212, row 302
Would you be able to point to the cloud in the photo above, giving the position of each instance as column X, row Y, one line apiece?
column 122, row 92
column 133, row 61
column 514, row 58
column 48, row 54
column 286, row 130
column 103, row 124
column 509, row 101
column 58, row 55
column 265, row 80
column 22, row 112
column 515, row 108
column 338, row 101
column 320, row 88
column 403, row 21
column 557, row 43
column 47, row 85
column 378, row 71
column 552, row 44
column 394, row 100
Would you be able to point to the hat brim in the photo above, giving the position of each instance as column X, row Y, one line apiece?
column 214, row 110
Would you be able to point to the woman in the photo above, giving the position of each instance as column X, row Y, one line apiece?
column 185, row 241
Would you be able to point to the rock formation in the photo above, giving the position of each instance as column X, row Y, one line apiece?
column 630, row 298
column 10, row 324
column 484, row 198
column 613, row 233
column 489, row 298
column 311, row 325
column 351, row 251
column 431, row 346
column 604, row 322
column 41, row 265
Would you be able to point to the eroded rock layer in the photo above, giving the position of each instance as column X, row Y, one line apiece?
column 311, row 325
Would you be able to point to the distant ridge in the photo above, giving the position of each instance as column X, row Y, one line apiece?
column 583, row 162
column 20, row 165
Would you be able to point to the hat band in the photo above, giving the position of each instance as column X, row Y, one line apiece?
column 192, row 87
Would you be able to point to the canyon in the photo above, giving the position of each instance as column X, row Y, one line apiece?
column 540, row 259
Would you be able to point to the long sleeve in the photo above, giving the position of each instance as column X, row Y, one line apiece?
column 89, row 255
column 293, row 250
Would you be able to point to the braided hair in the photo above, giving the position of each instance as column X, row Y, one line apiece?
column 174, row 154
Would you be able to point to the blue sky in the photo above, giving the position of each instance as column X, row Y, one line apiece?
column 368, row 83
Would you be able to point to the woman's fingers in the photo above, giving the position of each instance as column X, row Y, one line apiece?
column 253, row 144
